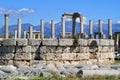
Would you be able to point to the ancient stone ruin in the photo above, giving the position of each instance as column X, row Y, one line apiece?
column 34, row 48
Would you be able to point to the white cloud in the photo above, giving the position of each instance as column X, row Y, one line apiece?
column 19, row 12
column 118, row 22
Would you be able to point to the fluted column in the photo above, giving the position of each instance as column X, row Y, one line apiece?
column 90, row 28
column 52, row 29
column 6, row 26
column 19, row 28
column 63, row 27
column 41, row 29
column 109, row 29
column 30, row 32
column 25, row 34
column 100, row 28
column 15, row 34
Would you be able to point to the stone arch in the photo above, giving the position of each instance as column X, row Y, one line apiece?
column 73, row 16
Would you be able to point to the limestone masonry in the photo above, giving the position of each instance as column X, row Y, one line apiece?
column 74, row 48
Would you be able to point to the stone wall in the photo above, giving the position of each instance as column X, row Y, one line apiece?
column 56, row 51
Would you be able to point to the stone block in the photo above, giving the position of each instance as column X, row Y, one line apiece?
column 66, row 49
column 9, row 42
column 111, row 49
column 84, row 49
column 111, row 42
column 22, row 49
column 65, row 56
column 51, row 49
column 69, row 56
column 83, row 42
column 58, row 56
column 33, row 42
column 74, row 49
column 49, row 56
column 103, row 42
column 35, row 49
column 66, row 42
column 50, row 42
column 7, row 49
column 23, row 56
column 58, row 50
column 43, row 50
column 24, row 62
column 83, row 56
column 21, row 42
column 104, row 55
column 3, row 62
column 111, row 55
column 103, row 48
column 36, row 62
column 6, row 56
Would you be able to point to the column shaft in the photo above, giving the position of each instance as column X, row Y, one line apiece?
column 52, row 29
column 90, row 28
column 81, row 26
column 6, row 26
column 15, row 34
column 30, row 32
column 25, row 34
column 63, row 27
column 42, row 29
column 73, row 28
column 109, row 28
column 19, row 28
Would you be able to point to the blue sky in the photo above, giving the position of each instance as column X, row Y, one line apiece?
column 31, row 11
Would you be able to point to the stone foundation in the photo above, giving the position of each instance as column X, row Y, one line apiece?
column 57, row 51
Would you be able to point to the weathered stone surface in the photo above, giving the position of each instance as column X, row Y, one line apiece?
column 58, row 50
column 103, row 49
column 43, row 49
column 21, row 42
column 22, row 49
column 36, row 62
column 51, row 49
column 104, row 55
column 111, row 55
column 23, row 56
column 84, row 49
column 74, row 49
column 83, row 42
column 111, row 42
column 18, row 62
column 50, row 42
column 66, row 49
column 35, row 49
column 3, row 62
column 6, row 56
column 97, row 72
column 111, row 49
column 103, row 42
column 49, row 56
column 58, row 56
column 9, row 42
column 66, row 42
column 80, row 56
column 7, row 49
column 34, row 42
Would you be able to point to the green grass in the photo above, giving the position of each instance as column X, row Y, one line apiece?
column 117, row 62
column 72, row 78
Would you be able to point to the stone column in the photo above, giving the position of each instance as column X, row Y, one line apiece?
column 6, row 26
column 73, row 27
column 100, row 28
column 30, row 32
column 63, row 27
column 109, row 29
column 15, row 34
column 117, row 40
column 25, row 34
column 52, row 29
column 90, row 28
column 19, row 28
column 41, row 29
column 33, row 36
column 81, row 27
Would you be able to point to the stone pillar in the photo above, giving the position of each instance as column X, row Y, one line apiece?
column 41, row 29
column 6, row 26
column 30, row 32
column 73, row 27
column 117, row 40
column 109, row 29
column 100, row 28
column 15, row 34
column 33, row 36
column 52, row 29
column 90, row 28
column 19, row 28
column 63, row 27
column 81, row 28
column 25, row 34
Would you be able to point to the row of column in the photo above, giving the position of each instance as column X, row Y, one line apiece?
column 18, row 31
